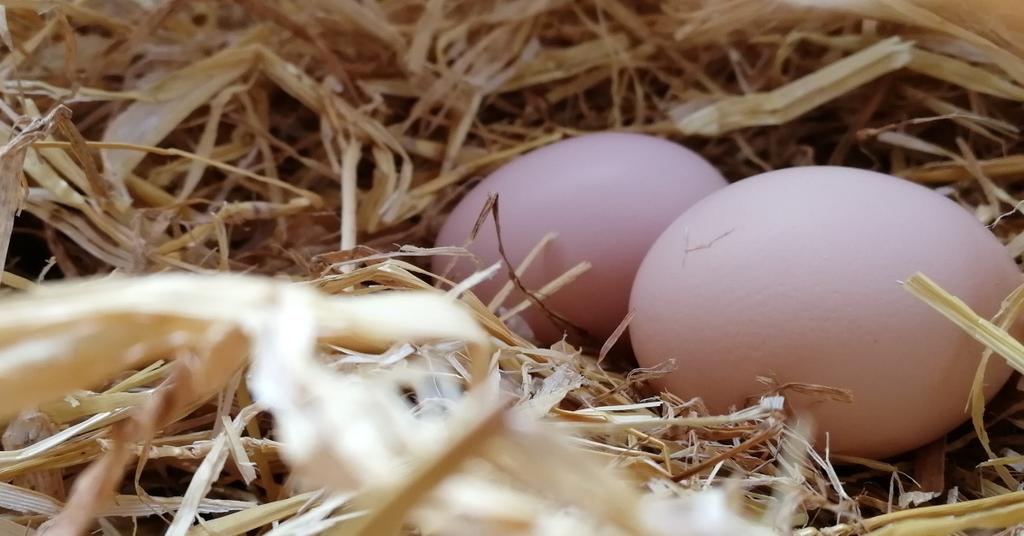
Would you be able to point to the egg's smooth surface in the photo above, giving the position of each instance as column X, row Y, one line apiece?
column 795, row 274
column 607, row 195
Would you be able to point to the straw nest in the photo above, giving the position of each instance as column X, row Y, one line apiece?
column 281, row 166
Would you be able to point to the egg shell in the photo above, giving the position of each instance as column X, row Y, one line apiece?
column 607, row 195
column 795, row 274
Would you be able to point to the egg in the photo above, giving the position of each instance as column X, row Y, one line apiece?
column 794, row 275
column 607, row 196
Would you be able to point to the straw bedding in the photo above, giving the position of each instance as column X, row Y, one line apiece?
column 212, row 215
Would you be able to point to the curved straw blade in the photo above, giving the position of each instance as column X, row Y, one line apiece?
column 957, row 311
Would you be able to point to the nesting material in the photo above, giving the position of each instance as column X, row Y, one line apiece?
column 241, row 197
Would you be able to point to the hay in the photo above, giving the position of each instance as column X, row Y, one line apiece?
column 287, row 366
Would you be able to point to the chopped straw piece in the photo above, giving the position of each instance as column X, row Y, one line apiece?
column 784, row 104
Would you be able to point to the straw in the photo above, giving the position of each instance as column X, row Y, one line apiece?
column 242, row 198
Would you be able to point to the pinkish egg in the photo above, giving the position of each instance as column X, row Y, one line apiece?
column 794, row 274
column 606, row 195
